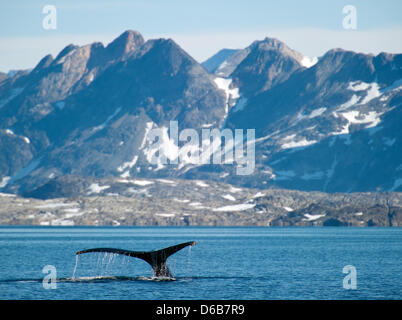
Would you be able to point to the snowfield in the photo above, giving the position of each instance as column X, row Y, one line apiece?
column 96, row 188
column 312, row 217
column 236, row 207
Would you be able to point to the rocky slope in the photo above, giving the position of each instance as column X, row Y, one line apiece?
column 118, row 201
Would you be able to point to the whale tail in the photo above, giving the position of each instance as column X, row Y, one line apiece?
column 157, row 258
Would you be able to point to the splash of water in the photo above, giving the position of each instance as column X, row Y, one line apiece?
column 105, row 255
column 103, row 264
column 75, row 267
column 188, row 258
column 112, row 257
column 97, row 263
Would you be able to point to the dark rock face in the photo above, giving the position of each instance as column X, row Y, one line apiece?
column 333, row 126
column 86, row 111
column 334, row 223
column 268, row 63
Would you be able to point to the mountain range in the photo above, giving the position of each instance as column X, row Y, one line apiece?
column 328, row 124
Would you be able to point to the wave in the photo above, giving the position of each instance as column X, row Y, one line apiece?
column 115, row 278
column 94, row 279
column 100, row 279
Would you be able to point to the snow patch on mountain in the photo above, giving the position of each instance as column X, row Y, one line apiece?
column 308, row 62
column 11, row 133
column 142, row 182
column 235, row 190
column 4, row 181
column 259, row 195
column 351, row 102
column 181, row 200
column 358, row 86
column 292, row 141
column 317, row 112
column 165, row 215
column 165, row 181
column 9, row 195
column 202, row 184
column 312, row 217
column 125, row 174
column 53, row 205
column 231, row 93
column 148, row 127
column 128, row 164
column 207, row 125
column 228, row 197
column 235, row 207
column 355, row 117
column 96, row 188
column 372, row 90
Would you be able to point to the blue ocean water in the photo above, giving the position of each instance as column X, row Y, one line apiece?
column 227, row 263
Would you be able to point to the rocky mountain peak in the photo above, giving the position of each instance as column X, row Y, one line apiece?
column 44, row 63
column 268, row 63
column 63, row 53
column 269, row 44
column 126, row 43
column 341, row 65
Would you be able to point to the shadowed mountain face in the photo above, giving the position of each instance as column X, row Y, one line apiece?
column 330, row 124
column 268, row 63
column 219, row 61
column 332, row 127
column 87, row 111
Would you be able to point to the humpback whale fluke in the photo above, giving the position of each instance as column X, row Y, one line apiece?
column 156, row 258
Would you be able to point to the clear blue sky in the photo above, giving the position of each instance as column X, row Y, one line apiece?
column 200, row 27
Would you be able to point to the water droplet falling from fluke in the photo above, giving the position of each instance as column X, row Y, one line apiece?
column 75, row 267
column 188, row 258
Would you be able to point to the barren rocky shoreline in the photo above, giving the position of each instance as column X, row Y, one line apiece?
column 174, row 202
